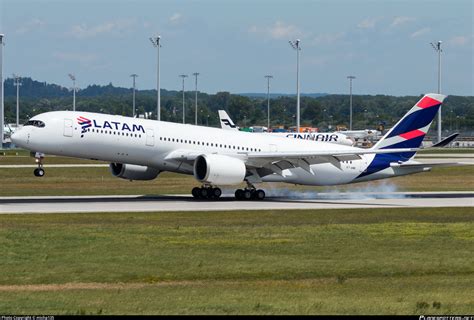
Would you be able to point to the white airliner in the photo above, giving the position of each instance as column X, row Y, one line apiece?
column 331, row 137
column 139, row 149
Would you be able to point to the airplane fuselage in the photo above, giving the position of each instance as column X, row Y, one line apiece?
column 152, row 143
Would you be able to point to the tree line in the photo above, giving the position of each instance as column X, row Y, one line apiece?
column 324, row 112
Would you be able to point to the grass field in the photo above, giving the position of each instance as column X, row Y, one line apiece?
column 403, row 261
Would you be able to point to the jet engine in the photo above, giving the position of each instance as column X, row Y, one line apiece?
column 219, row 169
column 133, row 172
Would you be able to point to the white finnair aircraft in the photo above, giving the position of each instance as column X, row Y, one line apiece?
column 139, row 149
column 331, row 137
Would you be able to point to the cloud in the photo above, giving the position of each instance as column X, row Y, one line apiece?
column 32, row 25
column 420, row 32
column 328, row 38
column 279, row 30
column 458, row 41
column 368, row 23
column 401, row 20
column 175, row 18
column 112, row 27
column 82, row 58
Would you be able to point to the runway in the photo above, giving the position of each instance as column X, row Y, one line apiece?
column 138, row 203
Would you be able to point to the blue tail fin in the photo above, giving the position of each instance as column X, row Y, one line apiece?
column 409, row 132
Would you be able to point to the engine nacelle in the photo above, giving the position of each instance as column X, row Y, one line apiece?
column 219, row 169
column 133, row 172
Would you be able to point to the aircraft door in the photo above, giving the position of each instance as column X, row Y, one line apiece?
column 67, row 128
column 150, row 137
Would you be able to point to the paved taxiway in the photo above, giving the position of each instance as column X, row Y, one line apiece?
column 134, row 203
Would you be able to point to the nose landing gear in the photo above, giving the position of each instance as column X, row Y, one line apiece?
column 39, row 172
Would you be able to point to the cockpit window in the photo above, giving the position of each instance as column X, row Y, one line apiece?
column 35, row 123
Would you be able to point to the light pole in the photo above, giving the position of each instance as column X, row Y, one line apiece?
column 183, row 76
column 195, row 74
column 450, row 120
column 437, row 48
column 156, row 43
column 350, row 100
column 296, row 45
column 2, row 114
column 133, row 76
column 17, row 84
column 268, row 100
column 73, row 78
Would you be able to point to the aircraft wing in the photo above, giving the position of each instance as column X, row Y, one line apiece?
column 182, row 155
column 278, row 161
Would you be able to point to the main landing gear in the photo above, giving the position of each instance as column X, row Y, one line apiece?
column 39, row 172
column 206, row 192
column 213, row 193
column 249, row 194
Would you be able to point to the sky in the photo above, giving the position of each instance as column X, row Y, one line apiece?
column 234, row 44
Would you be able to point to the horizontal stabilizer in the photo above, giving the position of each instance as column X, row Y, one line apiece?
column 445, row 141
column 425, row 165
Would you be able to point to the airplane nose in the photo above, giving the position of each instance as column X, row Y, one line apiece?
column 13, row 137
column 18, row 138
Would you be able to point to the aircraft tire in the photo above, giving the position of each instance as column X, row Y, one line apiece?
column 246, row 195
column 204, row 193
column 239, row 194
column 259, row 194
column 196, row 193
column 216, row 193
column 38, row 172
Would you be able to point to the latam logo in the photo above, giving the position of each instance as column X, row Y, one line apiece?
column 111, row 125
column 85, row 124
